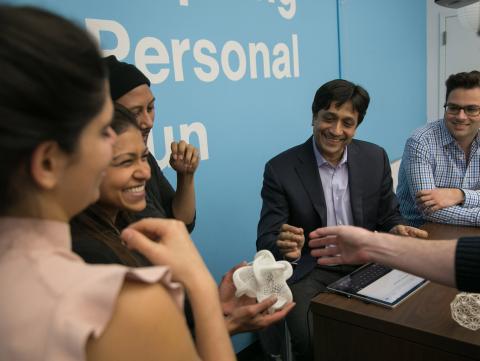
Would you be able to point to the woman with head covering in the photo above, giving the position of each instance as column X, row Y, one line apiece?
column 55, row 144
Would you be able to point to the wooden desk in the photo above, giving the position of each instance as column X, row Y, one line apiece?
column 421, row 328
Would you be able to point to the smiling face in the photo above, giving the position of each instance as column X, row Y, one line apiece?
column 333, row 129
column 123, row 187
column 141, row 102
column 462, row 127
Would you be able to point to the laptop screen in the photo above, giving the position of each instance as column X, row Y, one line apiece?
column 378, row 284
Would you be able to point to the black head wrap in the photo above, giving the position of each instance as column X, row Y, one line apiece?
column 123, row 77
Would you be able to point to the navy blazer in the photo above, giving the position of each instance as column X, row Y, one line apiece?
column 292, row 193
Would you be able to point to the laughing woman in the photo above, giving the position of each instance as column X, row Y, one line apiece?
column 96, row 231
column 55, row 144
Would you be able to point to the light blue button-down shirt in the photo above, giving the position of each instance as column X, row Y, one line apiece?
column 432, row 158
column 335, row 189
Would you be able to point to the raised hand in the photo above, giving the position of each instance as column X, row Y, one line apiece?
column 184, row 158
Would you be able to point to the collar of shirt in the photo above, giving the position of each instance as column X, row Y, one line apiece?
column 33, row 233
column 321, row 160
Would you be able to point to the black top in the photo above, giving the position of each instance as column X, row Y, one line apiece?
column 467, row 264
column 159, row 195
column 97, row 240
column 89, row 244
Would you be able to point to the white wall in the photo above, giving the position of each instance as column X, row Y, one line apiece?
column 434, row 14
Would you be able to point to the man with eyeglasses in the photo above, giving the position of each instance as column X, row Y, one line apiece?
column 439, row 179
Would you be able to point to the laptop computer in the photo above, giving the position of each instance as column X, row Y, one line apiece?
column 374, row 283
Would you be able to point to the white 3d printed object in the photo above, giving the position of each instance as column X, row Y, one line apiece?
column 265, row 277
column 466, row 310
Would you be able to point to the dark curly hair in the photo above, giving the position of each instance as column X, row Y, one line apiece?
column 465, row 80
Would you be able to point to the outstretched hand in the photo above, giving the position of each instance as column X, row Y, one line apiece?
column 343, row 245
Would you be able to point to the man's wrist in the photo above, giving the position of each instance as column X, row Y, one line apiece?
column 292, row 260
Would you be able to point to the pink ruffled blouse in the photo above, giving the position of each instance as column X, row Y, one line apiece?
column 51, row 302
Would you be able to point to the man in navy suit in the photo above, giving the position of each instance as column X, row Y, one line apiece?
column 331, row 179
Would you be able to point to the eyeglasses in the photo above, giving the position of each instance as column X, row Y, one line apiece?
column 470, row 110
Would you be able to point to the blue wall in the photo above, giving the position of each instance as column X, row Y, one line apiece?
column 377, row 43
column 383, row 46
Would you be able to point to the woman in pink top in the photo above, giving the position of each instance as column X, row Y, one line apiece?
column 55, row 143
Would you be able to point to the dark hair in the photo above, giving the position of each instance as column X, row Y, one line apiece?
column 94, row 225
column 462, row 80
column 341, row 91
column 123, row 119
column 52, row 84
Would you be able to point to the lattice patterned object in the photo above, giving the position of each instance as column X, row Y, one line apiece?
column 265, row 277
column 466, row 310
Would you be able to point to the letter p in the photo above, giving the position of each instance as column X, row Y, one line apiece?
column 96, row 26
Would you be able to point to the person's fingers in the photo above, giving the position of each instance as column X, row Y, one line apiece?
column 287, row 236
column 291, row 236
column 424, row 192
column 400, row 230
column 174, row 149
column 324, row 252
column 421, row 201
column 328, row 261
column 419, row 233
column 287, row 245
column 194, row 160
column 325, row 232
column 288, row 228
column 254, row 310
column 279, row 314
column 269, row 319
column 182, row 146
column 429, row 203
column 188, row 154
column 141, row 243
column 322, row 241
column 155, row 228
column 264, row 305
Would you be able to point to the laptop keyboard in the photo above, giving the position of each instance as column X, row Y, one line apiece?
column 362, row 277
column 365, row 277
